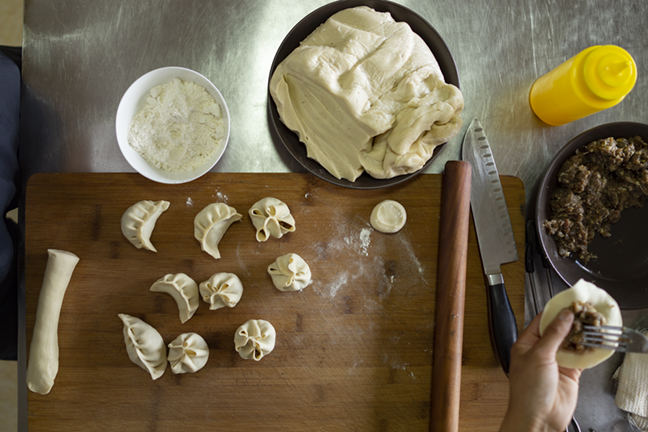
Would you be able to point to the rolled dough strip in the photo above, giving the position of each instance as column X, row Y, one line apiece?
column 44, row 349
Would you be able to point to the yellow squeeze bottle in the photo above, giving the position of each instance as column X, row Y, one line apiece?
column 597, row 78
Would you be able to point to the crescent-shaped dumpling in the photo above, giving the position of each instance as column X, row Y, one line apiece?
column 210, row 226
column 184, row 291
column 271, row 218
column 290, row 273
column 144, row 345
column 221, row 289
column 586, row 292
column 188, row 353
column 138, row 222
column 255, row 339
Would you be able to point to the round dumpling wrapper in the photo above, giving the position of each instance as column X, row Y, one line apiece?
column 603, row 302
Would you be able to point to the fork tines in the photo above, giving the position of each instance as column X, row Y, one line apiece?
column 605, row 337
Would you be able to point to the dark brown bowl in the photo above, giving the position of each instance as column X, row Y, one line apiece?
column 305, row 27
column 622, row 264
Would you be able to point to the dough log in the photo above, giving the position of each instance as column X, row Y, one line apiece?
column 44, row 350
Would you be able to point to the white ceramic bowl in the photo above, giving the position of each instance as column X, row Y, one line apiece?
column 135, row 99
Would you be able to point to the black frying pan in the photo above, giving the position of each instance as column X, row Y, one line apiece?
column 622, row 264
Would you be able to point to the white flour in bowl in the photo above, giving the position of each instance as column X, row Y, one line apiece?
column 179, row 129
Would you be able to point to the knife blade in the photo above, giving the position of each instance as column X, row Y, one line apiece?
column 494, row 236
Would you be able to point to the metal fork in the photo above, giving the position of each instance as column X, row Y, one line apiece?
column 621, row 339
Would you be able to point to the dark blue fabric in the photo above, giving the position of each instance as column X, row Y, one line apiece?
column 9, row 123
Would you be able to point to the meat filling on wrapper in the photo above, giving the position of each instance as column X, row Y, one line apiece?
column 584, row 314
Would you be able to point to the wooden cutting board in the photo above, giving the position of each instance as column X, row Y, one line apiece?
column 354, row 349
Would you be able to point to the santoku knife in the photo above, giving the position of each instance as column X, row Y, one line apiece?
column 494, row 236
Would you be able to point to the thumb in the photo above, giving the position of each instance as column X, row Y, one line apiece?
column 556, row 332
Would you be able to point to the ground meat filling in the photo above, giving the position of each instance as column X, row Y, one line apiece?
column 594, row 186
column 584, row 314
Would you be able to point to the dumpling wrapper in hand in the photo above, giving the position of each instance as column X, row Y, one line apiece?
column 211, row 224
column 184, row 291
column 255, row 339
column 138, row 222
column 271, row 218
column 222, row 289
column 290, row 273
column 601, row 301
column 188, row 353
column 144, row 345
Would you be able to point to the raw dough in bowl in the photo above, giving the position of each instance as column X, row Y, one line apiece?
column 365, row 93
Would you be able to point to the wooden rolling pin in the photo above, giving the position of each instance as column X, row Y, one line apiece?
column 450, row 297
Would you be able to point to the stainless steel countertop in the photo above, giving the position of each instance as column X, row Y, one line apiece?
column 79, row 57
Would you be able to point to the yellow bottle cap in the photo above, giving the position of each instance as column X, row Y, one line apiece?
column 610, row 72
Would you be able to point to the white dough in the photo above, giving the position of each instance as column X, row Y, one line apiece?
column 290, row 273
column 184, row 291
column 365, row 93
column 144, row 345
column 211, row 224
column 271, row 218
column 44, row 349
column 388, row 216
column 188, row 353
column 138, row 222
column 255, row 339
column 604, row 303
column 222, row 289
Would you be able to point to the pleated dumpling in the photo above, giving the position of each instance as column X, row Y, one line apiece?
column 184, row 291
column 188, row 353
column 271, row 218
column 138, row 222
column 144, row 345
column 255, row 339
column 290, row 273
column 210, row 226
column 222, row 289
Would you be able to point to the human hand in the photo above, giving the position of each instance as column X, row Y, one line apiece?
column 543, row 395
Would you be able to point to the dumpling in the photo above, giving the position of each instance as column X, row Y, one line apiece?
column 290, row 273
column 188, row 353
column 138, row 222
column 222, row 289
column 210, row 226
column 582, row 292
column 255, row 339
column 184, row 291
column 144, row 345
column 271, row 218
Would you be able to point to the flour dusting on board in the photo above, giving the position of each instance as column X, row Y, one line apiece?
column 240, row 260
column 420, row 268
column 351, row 240
column 340, row 281
column 365, row 240
column 220, row 196
column 189, row 202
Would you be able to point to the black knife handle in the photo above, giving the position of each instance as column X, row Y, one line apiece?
column 503, row 327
